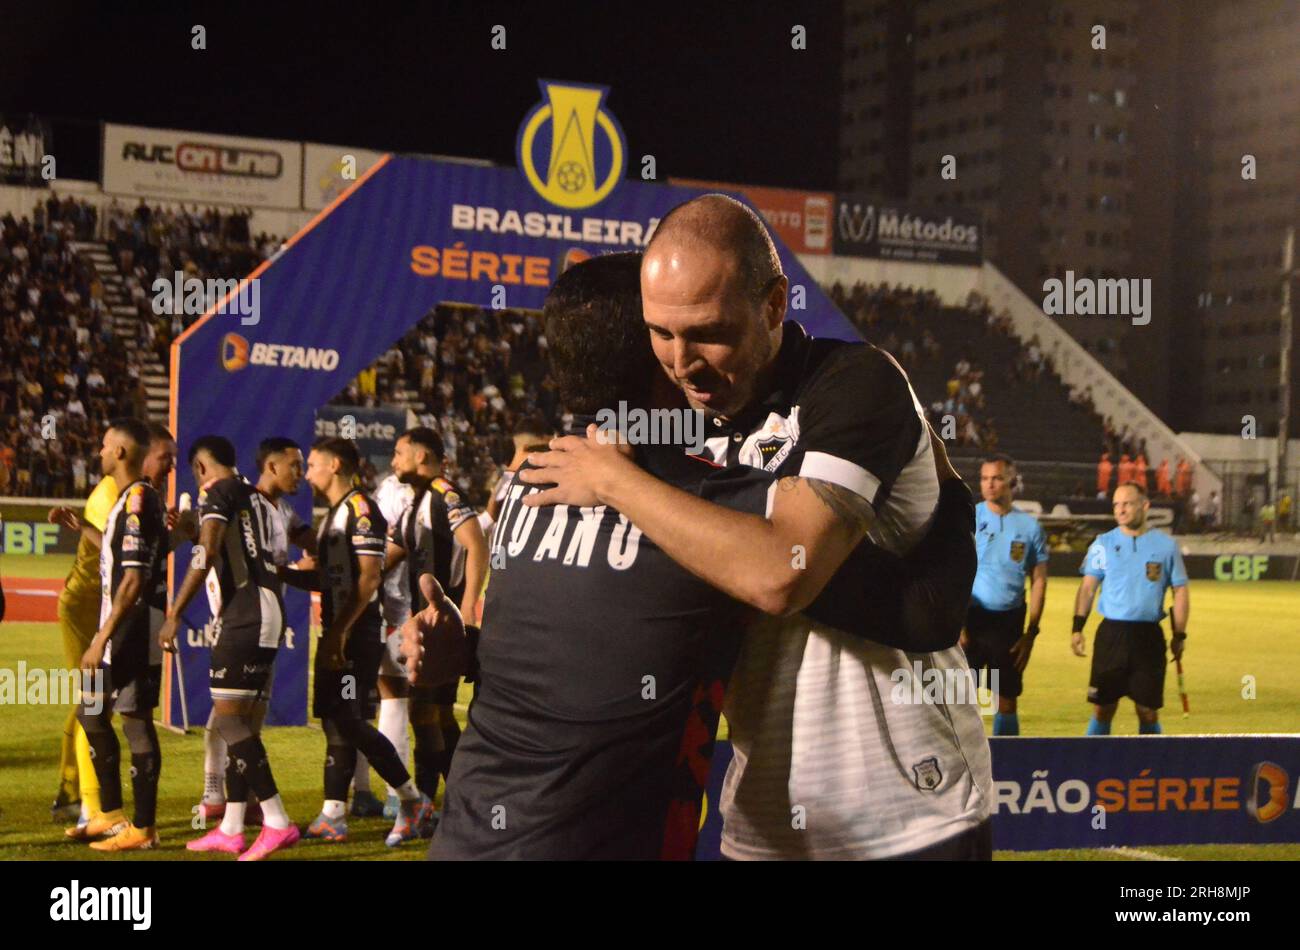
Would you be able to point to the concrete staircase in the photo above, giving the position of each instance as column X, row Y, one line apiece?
column 126, row 326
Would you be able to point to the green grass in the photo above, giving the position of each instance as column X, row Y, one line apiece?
column 46, row 567
column 1236, row 630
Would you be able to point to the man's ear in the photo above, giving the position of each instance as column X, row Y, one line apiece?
column 775, row 303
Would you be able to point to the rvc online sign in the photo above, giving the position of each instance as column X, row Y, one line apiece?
column 868, row 228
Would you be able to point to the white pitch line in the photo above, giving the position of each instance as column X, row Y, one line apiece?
column 32, row 592
column 1137, row 854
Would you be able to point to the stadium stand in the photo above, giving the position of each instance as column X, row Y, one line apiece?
column 81, row 340
column 477, row 375
column 1004, row 396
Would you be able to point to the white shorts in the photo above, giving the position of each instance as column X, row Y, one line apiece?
column 390, row 662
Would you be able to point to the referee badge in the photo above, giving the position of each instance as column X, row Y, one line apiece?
column 928, row 775
column 1017, row 551
column 1153, row 570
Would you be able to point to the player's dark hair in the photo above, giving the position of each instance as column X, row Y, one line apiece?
column 160, row 433
column 596, row 338
column 133, row 429
column 722, row 222
column 426, row 438
column 219, row 447
column 272, row 445
column 998, row 457
column 1134, row 485
column 345, row 450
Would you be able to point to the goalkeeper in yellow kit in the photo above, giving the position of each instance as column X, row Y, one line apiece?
column 78, row 795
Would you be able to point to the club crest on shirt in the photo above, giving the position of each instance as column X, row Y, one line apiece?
column 768, row 449
column 928, row 774
column 1017, row 551
column 769, row 446
column 1153, row 570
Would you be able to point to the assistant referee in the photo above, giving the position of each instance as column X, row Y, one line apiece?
column 1011, row 546
column 1134, row 566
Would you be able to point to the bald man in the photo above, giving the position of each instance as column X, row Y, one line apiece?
column 832, row 760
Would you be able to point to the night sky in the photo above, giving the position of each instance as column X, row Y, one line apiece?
column 709, row 90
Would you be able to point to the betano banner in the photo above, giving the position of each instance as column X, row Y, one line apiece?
column 1120, row 791
column 410, row 234
column 172, row 165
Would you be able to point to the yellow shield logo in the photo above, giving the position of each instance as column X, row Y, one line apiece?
column 1153, row 570
column 1017, row 551
column 587, row 153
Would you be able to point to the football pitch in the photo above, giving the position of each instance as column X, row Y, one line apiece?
column 1243, row 641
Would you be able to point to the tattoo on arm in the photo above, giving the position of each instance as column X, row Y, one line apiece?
column 850, row 507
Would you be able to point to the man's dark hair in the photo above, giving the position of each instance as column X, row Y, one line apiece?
column 997, row 457
column 271, row 445
column 133, row 429
column 345, row 450
column 597, row 341
column 722, row 222
column 219, row 447
column 426, row 438
column 160, row 433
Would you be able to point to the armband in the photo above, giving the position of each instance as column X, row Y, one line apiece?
column 1180, row 636
column 1032, row 630
column 1079, row 621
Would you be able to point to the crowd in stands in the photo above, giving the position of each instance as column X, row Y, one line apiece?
column 64, row 372
column 477, row 376
column 898, row 319
column 151, row 242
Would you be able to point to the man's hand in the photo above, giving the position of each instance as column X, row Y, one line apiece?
column 167, row 634
column 65, row 518
column 942, row 467
column 329, row 652
column 305, row 563
column 1176, row 646
column 964, row 639
column 1077, row 644
column 94, row 655
column 578, row 467
column 186, row 522
column 1020, row 651
column 434, row 646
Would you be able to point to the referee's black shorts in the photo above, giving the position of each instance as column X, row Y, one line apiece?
column 990, row 635
column 1128, row 659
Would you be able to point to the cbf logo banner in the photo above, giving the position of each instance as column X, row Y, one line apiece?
column 411, row 233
